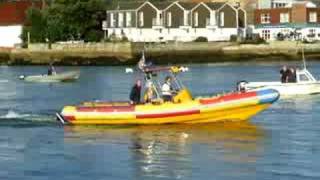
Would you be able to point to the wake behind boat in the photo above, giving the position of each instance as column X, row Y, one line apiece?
column 56, row 77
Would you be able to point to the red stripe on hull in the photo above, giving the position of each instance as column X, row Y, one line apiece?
column 229, row 97
column 106, row 109
column 69, row 118
column 165, row 115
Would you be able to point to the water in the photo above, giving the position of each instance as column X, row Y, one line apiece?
column 281, row 143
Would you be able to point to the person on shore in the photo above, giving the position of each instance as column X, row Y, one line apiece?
column 51, row 70
column 284, row 72
column 292, row 77
column 135, row 93
column 167, row 90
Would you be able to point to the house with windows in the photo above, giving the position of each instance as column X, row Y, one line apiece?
column 12, row 19
column 175, row 21
column 296, row 20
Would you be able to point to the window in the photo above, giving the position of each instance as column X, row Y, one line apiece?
column 266, row 34
column 196, row 19
column 313, row 17
column 169, row 19
column 303, row 77
column 128, row 19
column 284, row 17
column 141, row 19
column 185, row 19
column 112, row 20
column 208, row 21
column 265, row 18
column 221, row 18
column 120, row 20
column 278, row 5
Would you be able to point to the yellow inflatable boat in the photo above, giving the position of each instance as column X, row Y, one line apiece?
column 235, row 106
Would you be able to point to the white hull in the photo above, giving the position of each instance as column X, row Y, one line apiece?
column 61, row 77
column 287, row 89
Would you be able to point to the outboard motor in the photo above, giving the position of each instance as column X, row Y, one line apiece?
column 241, row 86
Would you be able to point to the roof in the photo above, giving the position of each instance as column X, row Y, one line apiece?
column 126, row 6
column 161, row 5
column 14, row 12
column 214, row 5
column 188, row 5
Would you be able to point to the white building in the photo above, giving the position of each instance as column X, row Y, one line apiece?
column 177, row 21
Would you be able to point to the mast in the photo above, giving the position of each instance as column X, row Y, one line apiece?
column 303, row 58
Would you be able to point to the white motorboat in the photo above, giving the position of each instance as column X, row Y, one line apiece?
column 59, row 77
column 306, row 84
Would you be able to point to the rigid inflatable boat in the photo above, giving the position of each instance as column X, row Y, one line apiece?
column 234, row 106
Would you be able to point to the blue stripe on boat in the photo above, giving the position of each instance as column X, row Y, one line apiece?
column 268, row 96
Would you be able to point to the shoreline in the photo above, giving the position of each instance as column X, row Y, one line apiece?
column 125, row 53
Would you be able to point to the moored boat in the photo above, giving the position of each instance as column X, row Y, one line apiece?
column 305, row 84
column 235, row 106
column 58, row 77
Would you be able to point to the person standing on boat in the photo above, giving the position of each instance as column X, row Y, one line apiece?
column 292, row 77
column 284, row 74
column 135, row 94
column 51, row 70
column 167, row 90
column 148, row 94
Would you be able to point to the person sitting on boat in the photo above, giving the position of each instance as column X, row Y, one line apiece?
column 292, row 76
column 167, row 90
column 149, row 93
column 135, row 93
column 284, row 74
column 51, row 70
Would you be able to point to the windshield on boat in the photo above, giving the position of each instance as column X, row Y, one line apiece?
column 305, row 76
column 154, row 77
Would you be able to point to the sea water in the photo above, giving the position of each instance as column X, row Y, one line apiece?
column 280, row 143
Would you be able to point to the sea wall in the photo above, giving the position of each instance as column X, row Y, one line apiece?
column 161, row 53
column 73, row 54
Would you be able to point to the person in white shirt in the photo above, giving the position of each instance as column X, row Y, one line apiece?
column 167, row 90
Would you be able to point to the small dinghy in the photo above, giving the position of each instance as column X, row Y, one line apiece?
column 59, row 77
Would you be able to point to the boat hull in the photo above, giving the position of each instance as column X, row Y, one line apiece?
column 288, row 90
column 62, row 77
column 231, row 107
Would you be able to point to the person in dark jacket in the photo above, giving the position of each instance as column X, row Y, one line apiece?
column 284, row 74
column 135, row 93
column 51, row 70
column 292, row 77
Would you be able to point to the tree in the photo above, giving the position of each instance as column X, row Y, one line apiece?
column 65, row 20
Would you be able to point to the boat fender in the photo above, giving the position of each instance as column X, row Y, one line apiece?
column 241, row 86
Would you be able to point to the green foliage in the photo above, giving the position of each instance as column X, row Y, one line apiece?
column 201, row 39
column 36, row 26
column 65, row 20
column 93, row 36
column 233, row 38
